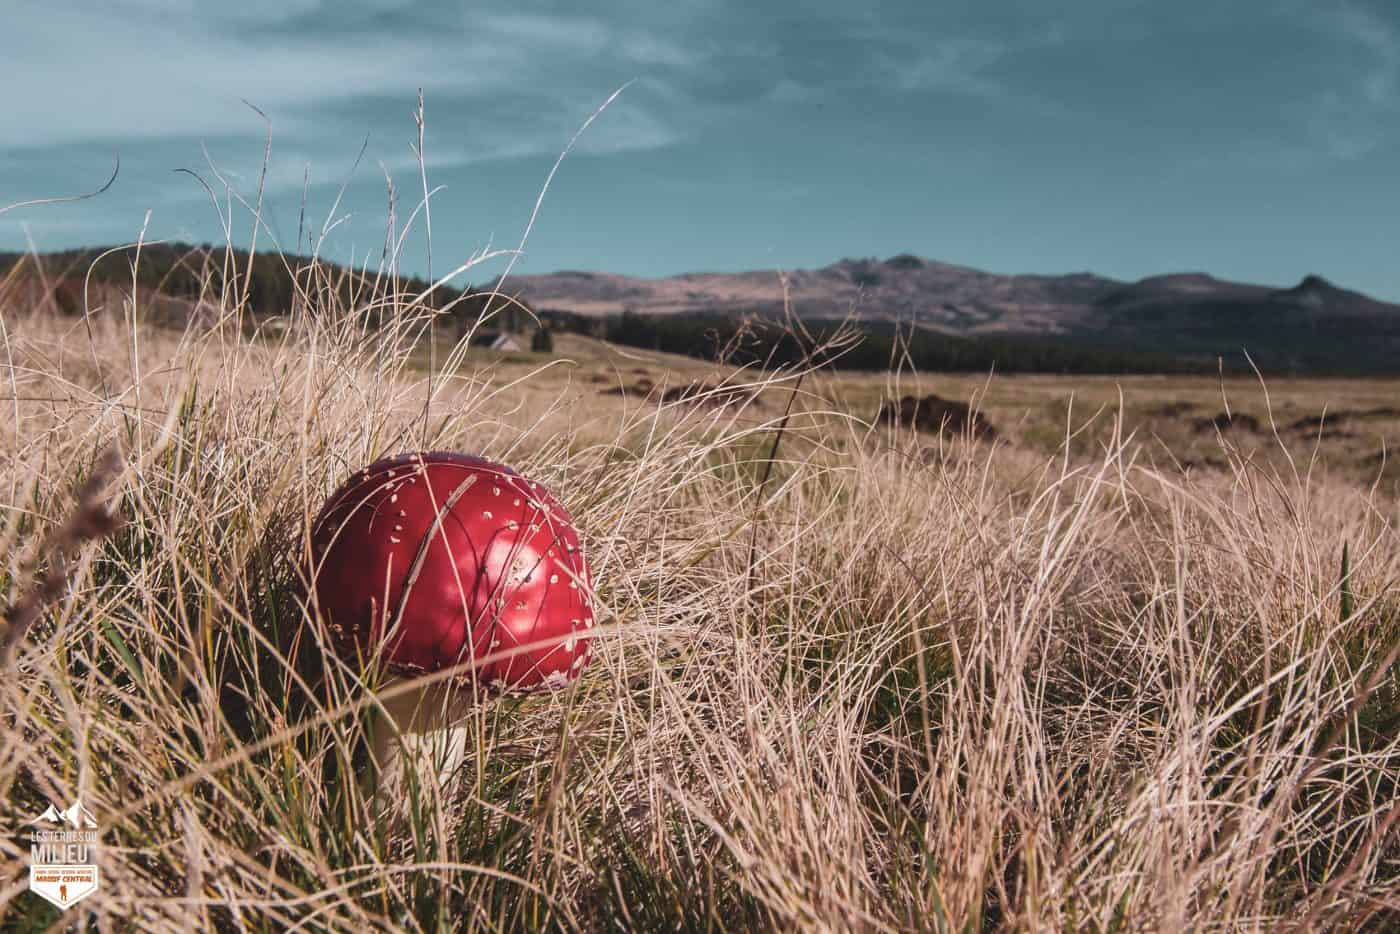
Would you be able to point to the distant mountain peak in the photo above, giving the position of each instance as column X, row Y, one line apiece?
column 1188, row 312
column 1323, row 295
column 906, row 261
column 1193, row 277
column 1313, row 282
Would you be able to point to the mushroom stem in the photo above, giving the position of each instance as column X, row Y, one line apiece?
column 422, row 730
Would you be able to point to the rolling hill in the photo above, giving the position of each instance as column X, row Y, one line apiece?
column 966, row 317
column 1314, row 326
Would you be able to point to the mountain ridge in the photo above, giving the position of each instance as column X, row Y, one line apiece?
column 930, row 293
column 1311, row 326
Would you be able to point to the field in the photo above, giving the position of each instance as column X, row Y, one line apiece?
column 1125, row 666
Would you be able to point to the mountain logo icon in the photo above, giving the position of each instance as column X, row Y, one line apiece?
column 76, row 816
column 63, row 866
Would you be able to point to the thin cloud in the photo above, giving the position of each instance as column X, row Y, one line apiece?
column 1381, row 40
column 972, row 66
column 958, row 65
column 1349, row 118
column 137, row 73
column 170, row 81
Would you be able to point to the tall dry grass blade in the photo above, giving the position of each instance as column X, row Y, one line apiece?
column 90, row 519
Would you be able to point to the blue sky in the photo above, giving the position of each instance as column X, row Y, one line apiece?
column 1254, row 140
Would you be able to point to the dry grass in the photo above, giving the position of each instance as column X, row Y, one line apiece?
column 899, row 685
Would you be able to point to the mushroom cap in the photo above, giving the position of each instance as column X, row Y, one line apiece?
column 500, row 569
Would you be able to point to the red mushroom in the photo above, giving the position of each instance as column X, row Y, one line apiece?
column 431, row 561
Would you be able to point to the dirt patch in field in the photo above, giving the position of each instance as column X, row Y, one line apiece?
column 1332, row 419
column 1170, row 410
column 1237, row 421
column 642, row 387
column 1387, row 456
column 935, row 414
column 706, row 394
